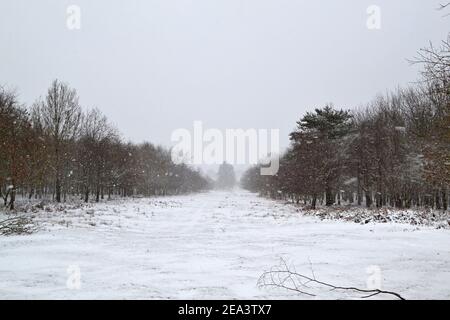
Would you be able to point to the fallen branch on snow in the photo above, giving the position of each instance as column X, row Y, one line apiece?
column 282, row 276
column 16, row 226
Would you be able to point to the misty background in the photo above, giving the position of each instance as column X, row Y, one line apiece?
column 155, row 66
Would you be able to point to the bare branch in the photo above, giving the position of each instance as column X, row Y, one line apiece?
column 278, row 275
column 16, row 226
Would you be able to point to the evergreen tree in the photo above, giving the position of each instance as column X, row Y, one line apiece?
column 226, row 178
column 319, row 138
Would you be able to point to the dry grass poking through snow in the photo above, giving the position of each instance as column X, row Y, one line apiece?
column 417, row 217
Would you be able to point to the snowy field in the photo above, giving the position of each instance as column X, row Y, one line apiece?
column 213, row 246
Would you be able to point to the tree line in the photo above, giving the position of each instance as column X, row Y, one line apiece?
column 393, row 152
column 54, row 149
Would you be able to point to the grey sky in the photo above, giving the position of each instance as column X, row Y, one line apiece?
column 154, row 66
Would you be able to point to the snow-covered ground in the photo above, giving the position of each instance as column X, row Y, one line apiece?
column 213, row 245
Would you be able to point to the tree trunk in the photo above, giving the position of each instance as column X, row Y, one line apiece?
column 58, row 189
column 358, row 192
column 379, row 200
column 313, row 202
column 97, row 194
column 444, row 200
column 12, row 198
column 5, row 198
column 329, row 199
column 351, row 198
column 368, row 200
column 398, row 201
column 437, row 200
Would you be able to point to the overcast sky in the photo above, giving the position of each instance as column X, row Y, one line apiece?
column 154, row 66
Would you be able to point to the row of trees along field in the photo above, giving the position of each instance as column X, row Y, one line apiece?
column 394, row 152
column 55, row 150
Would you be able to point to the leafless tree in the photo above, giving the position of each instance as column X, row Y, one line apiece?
column 16, row 143
column 59, row 115
column 60, row 150
column 95, row 135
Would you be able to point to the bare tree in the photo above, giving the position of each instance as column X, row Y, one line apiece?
column 395, row 154
column 16, row 141
column 59, row 115
column 95, row 137
column 436, row 63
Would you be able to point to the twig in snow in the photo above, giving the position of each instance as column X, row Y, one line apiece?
column 284, row 277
